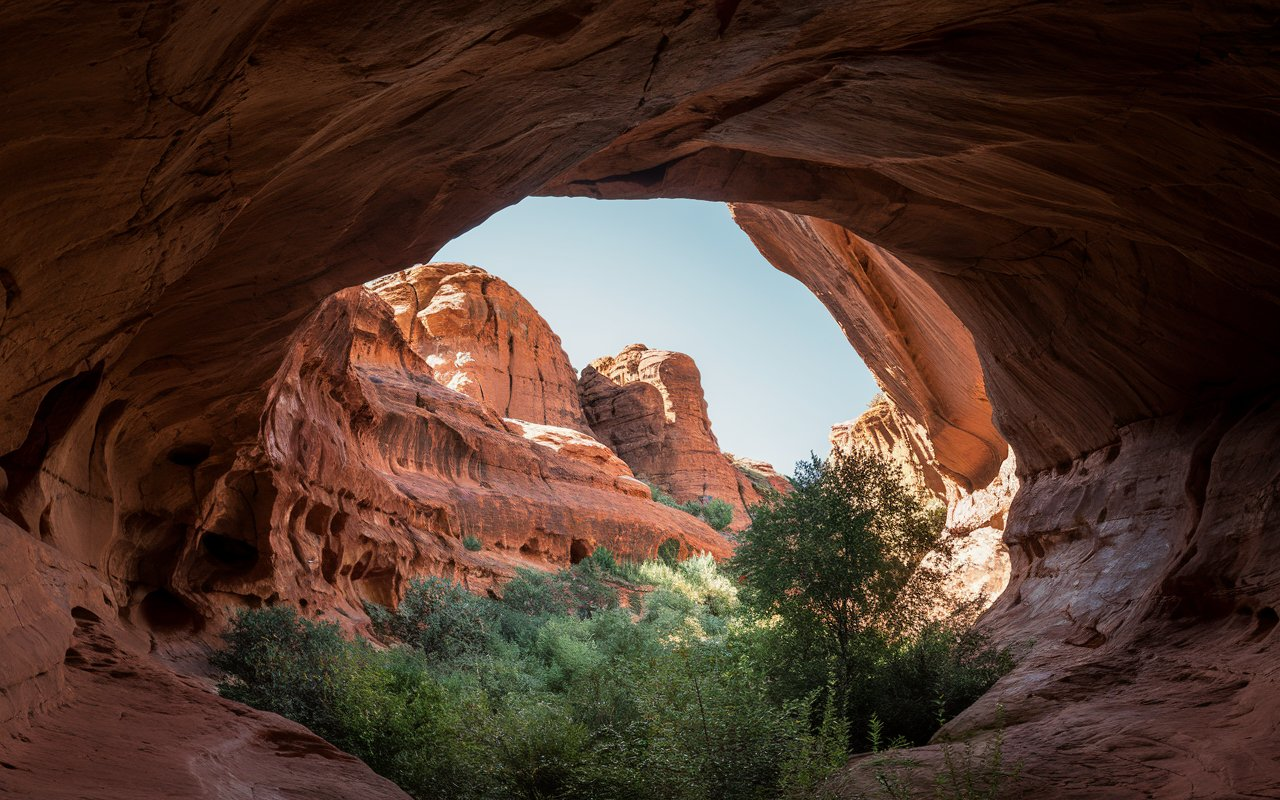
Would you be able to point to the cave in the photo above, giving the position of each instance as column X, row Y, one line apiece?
column 165, row 612
column 1049, row 229
column 578, row 550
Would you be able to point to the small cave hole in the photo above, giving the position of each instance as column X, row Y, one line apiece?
column 82, row 614
column 189, row 455
column 578, row 550
column 303, row 603
column 229, row 552
column 1267, row 619
column 162, row 610
column 1102, row 516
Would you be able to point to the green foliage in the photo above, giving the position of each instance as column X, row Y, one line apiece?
column 967, row 772
column 472, row 543
column 715, row 512
column 280, row 662
column 838, row 562
column 554, row 691
column 440, row 618
column 669, row 552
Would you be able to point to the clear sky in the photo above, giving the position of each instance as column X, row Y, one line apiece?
column 679, row 275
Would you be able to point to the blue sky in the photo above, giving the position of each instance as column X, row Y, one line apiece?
column 679, row 275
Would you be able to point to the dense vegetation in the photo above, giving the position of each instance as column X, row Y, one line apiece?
column 712, row 510
column 703, row 686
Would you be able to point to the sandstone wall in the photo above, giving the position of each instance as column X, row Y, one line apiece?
column 648, row 406
column 482, row 338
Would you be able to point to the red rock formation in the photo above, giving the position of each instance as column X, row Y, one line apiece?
column 368, row 472
column 482, row 338
column 648, row 406
column 760, row 478
column 1087, row 188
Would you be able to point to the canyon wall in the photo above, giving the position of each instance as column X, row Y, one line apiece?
column 482, row 338
column 648, row 406
column 1085, row 191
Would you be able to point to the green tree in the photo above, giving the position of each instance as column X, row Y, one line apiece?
column 839, row 559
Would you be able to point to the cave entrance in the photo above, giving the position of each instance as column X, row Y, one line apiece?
column 682, row 275
column 578, row 550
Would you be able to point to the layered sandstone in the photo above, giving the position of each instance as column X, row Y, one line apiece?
column 1086, row 189
column 482, row 338
column 648, row 406
column 369, row 472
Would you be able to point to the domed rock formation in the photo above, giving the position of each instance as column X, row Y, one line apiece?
column 482, row 338
column 1087, row 189
column 369, row 472
column 648, row 406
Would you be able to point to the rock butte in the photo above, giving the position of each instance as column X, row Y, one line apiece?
column 648, row 406
column 1083, row 191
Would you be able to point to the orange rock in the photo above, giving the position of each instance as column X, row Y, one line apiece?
column 482, row 338
column 648, row 406
column 1088, row 189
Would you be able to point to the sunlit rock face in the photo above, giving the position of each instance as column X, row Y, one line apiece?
column 978, row 568
column 649, row 407
column 368, row 472
column 1086, row 189
column 482, row 338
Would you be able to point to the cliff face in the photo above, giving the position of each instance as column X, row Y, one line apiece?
column 369, row 472
column 1085, row 190
column 482, row 338
column 648, row 406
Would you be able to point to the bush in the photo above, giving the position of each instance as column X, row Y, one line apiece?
column 669, row 552
column 278, row 661
column 472, row 543
column 715, row 512
column 440, row 618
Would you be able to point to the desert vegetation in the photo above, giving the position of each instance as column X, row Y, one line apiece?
column 711, row 510
column 663, row 679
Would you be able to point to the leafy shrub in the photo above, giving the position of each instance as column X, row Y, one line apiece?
column 715, row 512
column 669, row 552
column 472, row 543
column 440, row 618
column 280, row 662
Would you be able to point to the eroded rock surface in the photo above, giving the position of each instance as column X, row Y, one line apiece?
column 482, row 338
column 369, row 472
column 648, row 406
column 1088, row 189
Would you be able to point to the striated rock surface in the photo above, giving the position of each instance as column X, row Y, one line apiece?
column 648, row 406
column 87, row 713
column 482, row 338
column 1087, row 188
column 369, row 472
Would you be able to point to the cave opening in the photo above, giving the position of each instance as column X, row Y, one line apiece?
column 682, row 276
column 165, row 612
column 579, row 550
